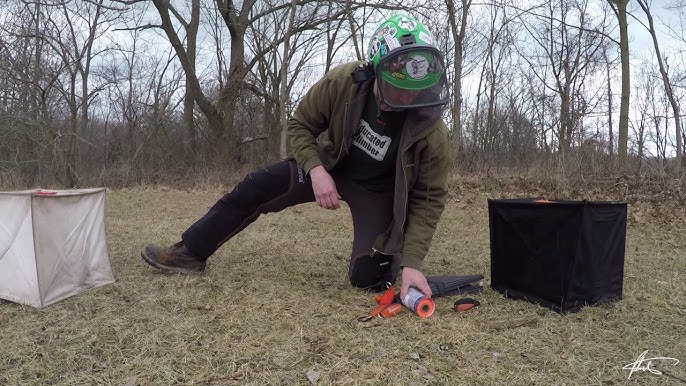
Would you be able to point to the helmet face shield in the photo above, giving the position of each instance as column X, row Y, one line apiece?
column 412, row 77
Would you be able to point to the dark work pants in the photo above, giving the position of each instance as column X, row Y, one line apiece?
column 283, row 185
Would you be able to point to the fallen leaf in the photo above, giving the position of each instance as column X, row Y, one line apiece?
column 313, row 376
column 423, row 372
column 190, row 280
column 382, row 352
column 414, row 356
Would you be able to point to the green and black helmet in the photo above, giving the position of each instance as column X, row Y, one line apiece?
column 409, row 69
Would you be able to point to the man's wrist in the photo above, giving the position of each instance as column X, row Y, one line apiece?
column 317, row 170
column 412, row 261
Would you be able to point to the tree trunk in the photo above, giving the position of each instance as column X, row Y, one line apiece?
column 619, row 7
column 211, row 112
column 668, row 87
column 283, row 88
column 610, row 133
column 457, row 58
column 237, row 23
column 191, row 48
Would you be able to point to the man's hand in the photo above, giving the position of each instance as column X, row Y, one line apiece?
column 413, row 278
column 324, row 188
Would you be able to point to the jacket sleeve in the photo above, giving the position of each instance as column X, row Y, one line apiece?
column 426, row 199
column 310, row 119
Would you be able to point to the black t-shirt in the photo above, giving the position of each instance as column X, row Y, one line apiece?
column 371, row 159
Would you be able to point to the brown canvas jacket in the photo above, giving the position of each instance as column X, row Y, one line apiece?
column 321, row 131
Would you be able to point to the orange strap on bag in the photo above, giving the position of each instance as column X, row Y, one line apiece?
column 391, row 310
column 386, row 307
column 387, row 297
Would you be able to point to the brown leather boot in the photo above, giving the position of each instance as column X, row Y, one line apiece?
column 176, row 258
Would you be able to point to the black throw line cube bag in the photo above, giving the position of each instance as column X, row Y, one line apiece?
column 560, row 254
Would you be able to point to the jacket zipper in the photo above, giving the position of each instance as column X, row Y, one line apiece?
column 407, row 193
column 407, row 187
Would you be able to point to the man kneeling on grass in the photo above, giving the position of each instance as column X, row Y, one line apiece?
column 385, row 154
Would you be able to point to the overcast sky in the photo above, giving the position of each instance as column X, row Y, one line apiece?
column 641, row 43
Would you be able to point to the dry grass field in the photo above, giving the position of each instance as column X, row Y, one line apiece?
column 274, row 307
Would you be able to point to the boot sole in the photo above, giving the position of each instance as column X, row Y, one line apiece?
column 153, row 263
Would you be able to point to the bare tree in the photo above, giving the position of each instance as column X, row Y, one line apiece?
column 334, row 28
column 190, row 27
column 221, row 111
column 658, row 133
column 85, row 23
column 144, row 94
column 645, row 88
column 572, row 50
column 186, row 56
column 645, row 6
column 78, row 96
column 610, row 101
column 60, row 38
column 652, row 121
column 619, row 7
column 458, row 32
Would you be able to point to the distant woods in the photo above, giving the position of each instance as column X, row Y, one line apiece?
column 117, row 93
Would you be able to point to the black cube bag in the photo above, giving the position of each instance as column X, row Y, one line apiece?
column 561, row 255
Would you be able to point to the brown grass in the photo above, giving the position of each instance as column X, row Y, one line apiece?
column 274, row 305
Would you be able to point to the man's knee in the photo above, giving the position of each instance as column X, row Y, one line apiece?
column 262, row 185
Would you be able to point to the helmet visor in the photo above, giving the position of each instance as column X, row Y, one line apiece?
column 412, row 77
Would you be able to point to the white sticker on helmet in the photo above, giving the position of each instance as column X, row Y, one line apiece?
column 428, row 39
column 374, row 48
column 408, row 24
column 418, row 67
column 392, row 42
column 386, row 30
